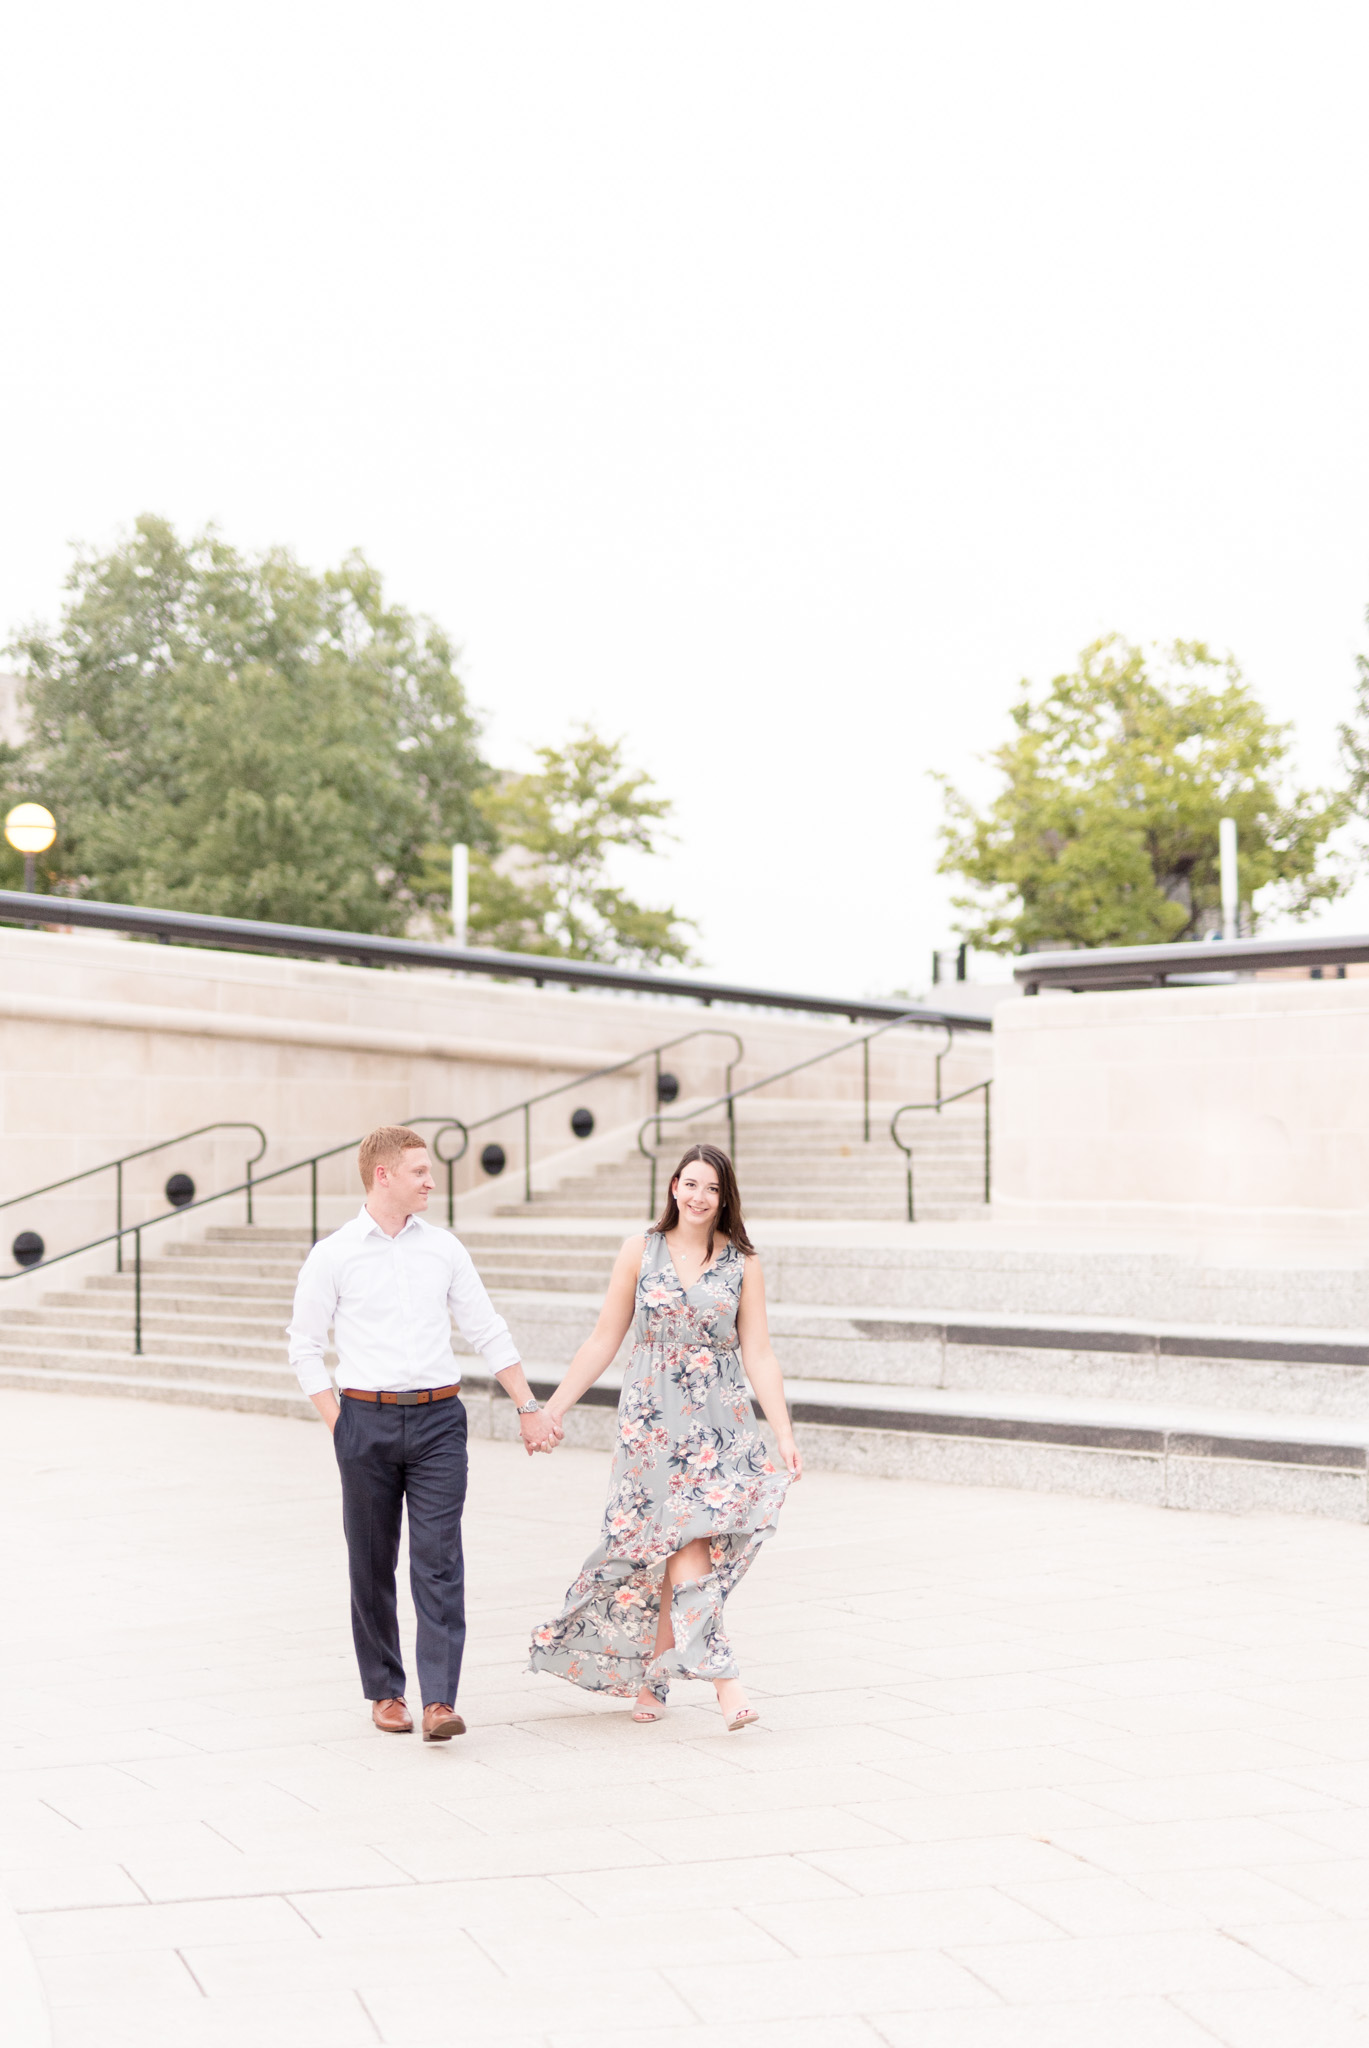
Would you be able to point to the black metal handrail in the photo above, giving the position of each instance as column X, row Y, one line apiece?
column 261, row 1180
column 529, row 1103
column 116, row 1166
column 782, row 1074
column 313, row 942
column 1203, row 960
column 312, row 1163
column 940, row 1104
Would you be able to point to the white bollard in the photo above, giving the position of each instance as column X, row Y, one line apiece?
column 461, row 893
column 1231, row 898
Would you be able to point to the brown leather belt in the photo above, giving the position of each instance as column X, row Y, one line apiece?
column 419, row 1397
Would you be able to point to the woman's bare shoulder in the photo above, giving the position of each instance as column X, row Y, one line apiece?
column 632, row 1248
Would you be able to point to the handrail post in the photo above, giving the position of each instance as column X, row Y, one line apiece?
column 950, row 1041
column 909, row 1157
column 119, row 1215
column 865, row 1064
column 987, row 1086
column 137, row 1290
column 732, row 1127
column 249, row 1192
column 527, row 1151
column 657, row 1101
column 313, row 1200
column 651, row 1212
column 451, row 1197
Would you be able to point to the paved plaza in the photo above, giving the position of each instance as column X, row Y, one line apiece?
column 1032, row 1770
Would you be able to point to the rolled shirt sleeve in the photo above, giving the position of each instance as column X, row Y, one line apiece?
column 476, row 1316
column 316, row 1297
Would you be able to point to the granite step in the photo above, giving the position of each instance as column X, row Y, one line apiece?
column 883, row 1377
column 1227, row 1461
column 91, row 1361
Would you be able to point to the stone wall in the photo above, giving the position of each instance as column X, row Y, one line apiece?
column 107, row 1044
column 1240, row 1106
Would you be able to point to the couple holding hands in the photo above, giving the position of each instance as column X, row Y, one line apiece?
column 693, row 1490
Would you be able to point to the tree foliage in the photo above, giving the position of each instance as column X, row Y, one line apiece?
column 1354, row 740
column 549, row 890
column 1105, row 831
column 242, row 736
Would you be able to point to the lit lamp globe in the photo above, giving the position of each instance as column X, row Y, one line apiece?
column 30, row 830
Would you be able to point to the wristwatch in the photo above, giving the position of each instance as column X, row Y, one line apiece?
column 530, row 1408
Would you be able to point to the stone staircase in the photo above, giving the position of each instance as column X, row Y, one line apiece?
column 803, row 1165
column 1102, row 1373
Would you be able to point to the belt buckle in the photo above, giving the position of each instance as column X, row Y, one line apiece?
column 409, row 1399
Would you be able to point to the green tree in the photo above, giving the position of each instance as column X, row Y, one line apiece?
column 1104, row 832
column 1354, row 740
column 242, row 736
column 548, row 890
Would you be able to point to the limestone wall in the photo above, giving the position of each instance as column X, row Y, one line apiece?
column 1233, row 1107
column 106, row 1044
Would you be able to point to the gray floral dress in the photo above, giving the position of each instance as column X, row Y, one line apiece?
column 690, row 1462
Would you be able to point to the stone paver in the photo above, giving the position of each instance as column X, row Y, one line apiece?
column 1031, row 1769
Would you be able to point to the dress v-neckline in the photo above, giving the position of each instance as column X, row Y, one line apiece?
column 679, row 1277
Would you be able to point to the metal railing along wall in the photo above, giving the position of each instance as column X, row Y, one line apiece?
column 1195, row 962
column 311, row 942
column 311, row 1164
column 255, row 1182
column 940, row 1103
column 733, row 1095
column 116, row 1167
column 526, row 1107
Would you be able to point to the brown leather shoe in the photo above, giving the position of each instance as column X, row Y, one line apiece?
column 392, row 1717
column 441, row 1723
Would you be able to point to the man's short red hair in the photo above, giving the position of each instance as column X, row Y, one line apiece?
column 383, row 1148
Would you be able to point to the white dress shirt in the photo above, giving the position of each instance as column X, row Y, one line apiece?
column 390, row 1301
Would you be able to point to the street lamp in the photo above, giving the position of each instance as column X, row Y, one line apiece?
column 30, row 830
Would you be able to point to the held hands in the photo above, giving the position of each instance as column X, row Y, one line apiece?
column 540, row 1432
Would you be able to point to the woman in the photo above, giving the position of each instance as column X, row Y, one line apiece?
column 692, row 1492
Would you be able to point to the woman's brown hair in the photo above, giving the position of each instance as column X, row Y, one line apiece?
column 728, row 1220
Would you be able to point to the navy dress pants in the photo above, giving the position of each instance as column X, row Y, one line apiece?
column 387, row 1456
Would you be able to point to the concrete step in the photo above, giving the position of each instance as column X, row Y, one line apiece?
column 270, row 1309
column 86, row 1360
column 224, row 1286
column 989, row 1365
column 481, row 1238
column 257, row 1400
column 190, row 1326
column 1229, row 1461
column 256, row 1234
column 244, row 1267
column 1276, row 1371
column 891, row 1211
column 156, row 1344
column 1224, row 1461
column 505, row 1257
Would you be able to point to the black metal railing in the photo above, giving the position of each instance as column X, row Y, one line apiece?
column 254, row 1183
column 1194, row 961
column 525, row 1108
column 311, row 942
column 116, row 1167
column 733, row 1095
column 941, row 1102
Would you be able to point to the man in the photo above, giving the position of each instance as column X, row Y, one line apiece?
column 389, row 1284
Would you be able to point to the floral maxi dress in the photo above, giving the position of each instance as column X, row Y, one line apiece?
column 690, row 1462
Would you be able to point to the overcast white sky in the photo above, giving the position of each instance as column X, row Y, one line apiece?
column 771, row 384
